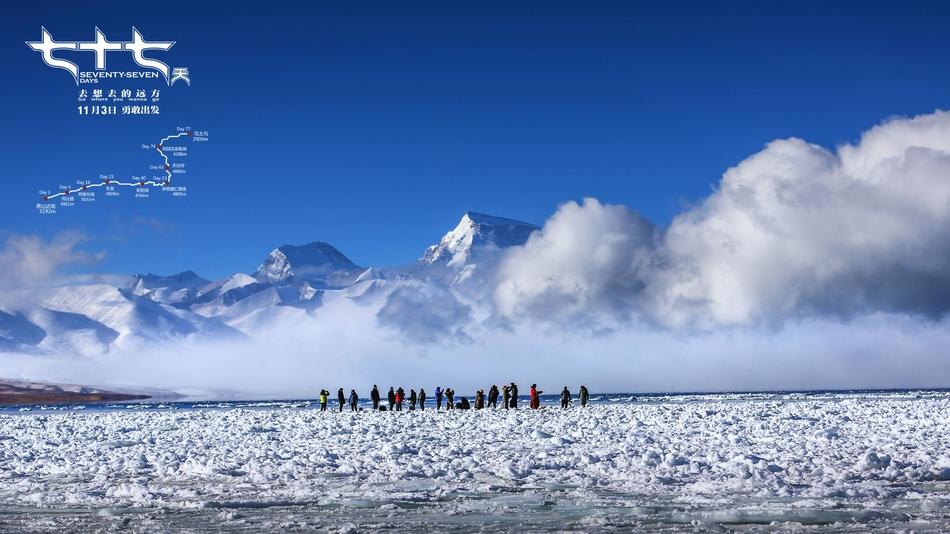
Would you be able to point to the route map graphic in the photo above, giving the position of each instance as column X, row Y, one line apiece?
column 164, row 175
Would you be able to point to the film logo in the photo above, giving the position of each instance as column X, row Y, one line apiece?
column 55, row 54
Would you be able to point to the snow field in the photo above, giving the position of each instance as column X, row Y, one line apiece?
column 714, row 461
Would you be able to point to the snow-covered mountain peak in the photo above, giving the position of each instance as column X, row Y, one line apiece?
column 169, row 289
column 475, row 230
column 315, row 260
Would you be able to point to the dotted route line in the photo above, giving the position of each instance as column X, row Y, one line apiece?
column 141, row 183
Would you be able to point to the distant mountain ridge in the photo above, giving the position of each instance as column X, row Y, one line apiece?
column 293, row 281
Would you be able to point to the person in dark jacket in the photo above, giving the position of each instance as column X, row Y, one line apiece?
column 412, row 399
column 506, row 395
column 479, row 399
column 565, row 397
column 341, row 397
column 449, row 399
column 514, row 395
column 463, row 404
column 354, row 400
column 493, row 396
column 422, row 399
column 374, row 395
column 584, row 395
column 391, row 397
column 438, row 398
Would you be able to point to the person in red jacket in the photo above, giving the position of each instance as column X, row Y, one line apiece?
column 535, row 397
column 400, row 395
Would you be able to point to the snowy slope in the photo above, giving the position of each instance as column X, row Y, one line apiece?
column 72, row 332
column 173, row 289
column 135, row 318
column 16, row 332
column 234, row 281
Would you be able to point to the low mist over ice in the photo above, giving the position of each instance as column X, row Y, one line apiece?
column 806, row 268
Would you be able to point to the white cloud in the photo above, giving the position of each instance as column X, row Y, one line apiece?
column 588, row 263
column 28, row 261
column 793, row 231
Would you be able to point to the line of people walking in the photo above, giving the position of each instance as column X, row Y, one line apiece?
column 396, row 397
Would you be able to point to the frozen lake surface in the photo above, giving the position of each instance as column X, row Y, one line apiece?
column 854, row 462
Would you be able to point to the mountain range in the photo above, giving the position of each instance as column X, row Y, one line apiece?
column 293, row 281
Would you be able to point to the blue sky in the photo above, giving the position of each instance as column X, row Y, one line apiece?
column 374, row 126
